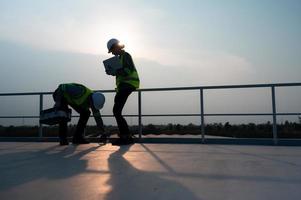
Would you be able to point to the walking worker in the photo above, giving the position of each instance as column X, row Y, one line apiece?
column 127, row 81
column 81, row 99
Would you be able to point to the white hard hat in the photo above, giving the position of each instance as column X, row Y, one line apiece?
column 111, row 43
column 98, row 100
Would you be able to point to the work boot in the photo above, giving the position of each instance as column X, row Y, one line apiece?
column 64, row 142
column 130, row 140
column 79, row 141
column 103, row 139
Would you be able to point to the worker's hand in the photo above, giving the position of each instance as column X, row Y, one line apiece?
column 109, row 73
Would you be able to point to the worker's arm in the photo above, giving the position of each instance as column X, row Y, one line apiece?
column 98, row 119
column 58, row 96
column 128, row 65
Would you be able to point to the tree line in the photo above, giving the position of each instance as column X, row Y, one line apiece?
column 250, row 130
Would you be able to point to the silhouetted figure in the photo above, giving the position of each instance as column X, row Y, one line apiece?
column 127, row 81
column 81, row 99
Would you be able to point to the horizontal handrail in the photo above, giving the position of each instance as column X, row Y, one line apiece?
column 172, row 88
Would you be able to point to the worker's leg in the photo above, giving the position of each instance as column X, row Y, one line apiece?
column 81, row 125
column 63, row 128
column 119, row 102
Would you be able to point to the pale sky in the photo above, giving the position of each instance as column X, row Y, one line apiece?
column 173, row 43
column 179, row 32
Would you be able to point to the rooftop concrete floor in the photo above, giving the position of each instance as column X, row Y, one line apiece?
column 149, row 171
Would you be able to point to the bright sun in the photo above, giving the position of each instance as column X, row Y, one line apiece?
column 127, row 32
column 93, row 38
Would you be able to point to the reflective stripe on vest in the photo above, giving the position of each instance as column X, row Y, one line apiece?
column 76, row 99
column 132, row 78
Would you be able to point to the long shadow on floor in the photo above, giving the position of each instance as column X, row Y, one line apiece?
column 128, row 182
column 54, row 162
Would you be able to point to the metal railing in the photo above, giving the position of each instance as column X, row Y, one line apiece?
column 202, row 113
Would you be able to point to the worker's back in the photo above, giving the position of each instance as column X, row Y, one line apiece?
column 75, row 94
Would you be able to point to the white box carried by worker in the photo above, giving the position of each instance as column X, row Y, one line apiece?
column 112, row 65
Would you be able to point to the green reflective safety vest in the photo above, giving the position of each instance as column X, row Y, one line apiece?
column 76, row 94
column 131, row 78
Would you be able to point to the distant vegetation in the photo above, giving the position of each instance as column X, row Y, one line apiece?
column 251, row 130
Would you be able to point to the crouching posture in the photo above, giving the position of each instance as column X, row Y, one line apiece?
column 81, row 99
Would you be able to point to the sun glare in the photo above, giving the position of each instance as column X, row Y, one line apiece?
column 92, row 39
column 126, row 32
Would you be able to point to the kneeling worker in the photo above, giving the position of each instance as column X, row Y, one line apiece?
column 81, row 99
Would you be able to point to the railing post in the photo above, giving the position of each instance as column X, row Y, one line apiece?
column 139, row 115
column 202, row 114
column 41, row 108
column 275, row 137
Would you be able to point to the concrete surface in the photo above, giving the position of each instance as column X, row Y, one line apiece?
column 149, row 171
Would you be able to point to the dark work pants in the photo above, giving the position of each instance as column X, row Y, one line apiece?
column 80, row 128
column 81, row 125
column 119, row 102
